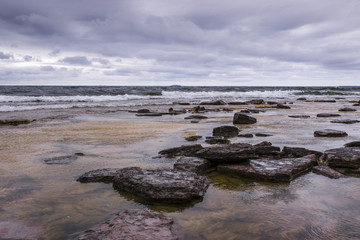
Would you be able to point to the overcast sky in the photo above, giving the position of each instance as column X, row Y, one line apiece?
column 187, row 42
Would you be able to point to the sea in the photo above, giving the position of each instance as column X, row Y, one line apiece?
column 22, row 98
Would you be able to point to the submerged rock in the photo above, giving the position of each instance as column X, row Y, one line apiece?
column 295, row 152
column 240, row 118
column 133, row 224
column 347, row 157
column 330, row 133
column 196, row 117
column 161, row 185
column 226, row 131
column 353, row 144
column 282, row 170
column 327, row 172
column 192, row 164
column 98, row 175
column 61, row 160
column 328, row 115
column 345, row 121
column 193, row 138
column 347, row 109
column 217, row 140
column 237, row 152
column 185, row 150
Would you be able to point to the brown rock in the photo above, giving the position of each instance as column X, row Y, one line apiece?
column 327, row 172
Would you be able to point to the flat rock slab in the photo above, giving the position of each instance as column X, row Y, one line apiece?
column 246, row 135
column 240, row 118
column 345, row 121
column 161, row 185
column 225, row 131
column 282, row 106
column 330, row 133
column 148, row 114
column 347, row 157
column 282, row 170
column 192, row 164
column 98, row 175
column 133, row 224
column 196, row 117
column 328, row 115
column 61, row 160
column 298, row 116
column 237, row 152
column 347, row 110
column 295, row 152
column 327, row 172
column 185, row 150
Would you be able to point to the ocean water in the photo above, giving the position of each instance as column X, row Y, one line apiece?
column 20, row 98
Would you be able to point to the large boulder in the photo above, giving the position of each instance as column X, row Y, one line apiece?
column 225, row 131
column 161, row 185
column 192, row 164
column 240, row 118
column 237, row 152
column 185, row 150
column 327, row 172
column 133, row 224
column 347, row 157
column 282, row 170
column 98, row 175
column 330, row 133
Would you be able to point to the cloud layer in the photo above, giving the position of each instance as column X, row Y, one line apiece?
column 139, row 42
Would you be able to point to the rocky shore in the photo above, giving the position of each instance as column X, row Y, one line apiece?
column 226, row 139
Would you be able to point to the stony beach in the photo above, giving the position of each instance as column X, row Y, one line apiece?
column 253, row 169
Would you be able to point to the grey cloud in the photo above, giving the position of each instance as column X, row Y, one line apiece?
column 5, row 56
column 47, row 69
column 78, row 60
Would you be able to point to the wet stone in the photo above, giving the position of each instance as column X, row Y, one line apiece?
column 345, row 121
column 185, row 150
column 298, row 116
column 246, row 135
column 14, row 122
column 347, row 110
column 225, row 131
column 330, row 133
column 217, row 140
column 263, row 135
column 282, row 170
column 196, row 117
column 193, row 138
column 149, row 114
column 133, row 224
column 61, row 160
column 161, row 185
column 347, row 157
column 218, row 102
column 295, row 152
column 328, row 115
column 192, row 164
column 353, row 144
column 98, row 175
column 327, row 172
column 240, row 118
column 256, row 101
column 282, row 106
column 144, row 110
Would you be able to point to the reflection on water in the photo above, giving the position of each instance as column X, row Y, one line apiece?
column 46, row 200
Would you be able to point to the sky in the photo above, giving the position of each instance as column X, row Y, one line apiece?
column 187, row 42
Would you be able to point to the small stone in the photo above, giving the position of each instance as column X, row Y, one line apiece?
column 328, row 115
column 345, row 121
column 347, row 110
column 247, row 135
column 298, row 116
column 282, row 106
column 218, row 102
column 196, row 117
column 153, row 114
column 193, row 138
column 301, row 99
column 330, row 133
column 143, row 110
column 98, row 175
column 256, row 101
column 263, row 135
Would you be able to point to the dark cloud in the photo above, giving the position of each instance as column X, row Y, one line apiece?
column 77, row 60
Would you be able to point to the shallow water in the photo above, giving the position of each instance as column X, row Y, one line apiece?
column 46, row 202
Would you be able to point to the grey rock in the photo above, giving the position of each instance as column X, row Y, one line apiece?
column 161, row 185
column 192, row 164
column 217, row 140
column 237, row 152
column 327, row 172
column 295, row 152
column 298, row 116
column 347, row 110
column 282, row 170
column 133, row 224
column 185, row 150
column 225, row 131
column 193, row 138
column 330, row 133
column 196, row 117
column 347, row 157
column 353, row 144
column 98, row 175
column 345, row 121
column 328, row 115
column 240, row 118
